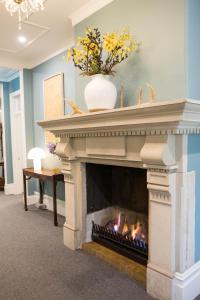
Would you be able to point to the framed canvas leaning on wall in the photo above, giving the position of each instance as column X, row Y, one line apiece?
column 53, row 101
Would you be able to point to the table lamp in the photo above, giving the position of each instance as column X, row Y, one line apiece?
column 36, row 154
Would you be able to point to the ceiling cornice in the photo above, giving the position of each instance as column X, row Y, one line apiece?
column 57, row 52
column 87, row 10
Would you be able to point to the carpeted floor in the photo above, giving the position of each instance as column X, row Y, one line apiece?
column 34, row 263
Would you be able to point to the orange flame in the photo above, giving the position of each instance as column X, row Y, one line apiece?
column 137, row 231
column 125, row 228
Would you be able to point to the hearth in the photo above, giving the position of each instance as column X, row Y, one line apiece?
column 117, row 207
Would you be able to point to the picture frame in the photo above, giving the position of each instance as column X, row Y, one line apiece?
column 53, row 92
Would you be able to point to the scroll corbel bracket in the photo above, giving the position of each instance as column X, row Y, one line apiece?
column 159, row 151
column 65, row 150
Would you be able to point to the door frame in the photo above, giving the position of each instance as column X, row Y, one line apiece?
column 10, row 187
column 4, row 136
column 12, row 96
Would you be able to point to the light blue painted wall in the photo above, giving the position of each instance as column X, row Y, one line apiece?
column 193, row 48
column 29, row 123
column 160, row 26
column 34, row 79
column 193, row 91
column 8, row 88
column 28, row 108
column 40, row 73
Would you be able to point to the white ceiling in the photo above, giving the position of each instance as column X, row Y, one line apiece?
column 47, row 32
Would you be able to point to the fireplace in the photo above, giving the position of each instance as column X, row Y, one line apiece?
column 152, row 139
column 117, row 209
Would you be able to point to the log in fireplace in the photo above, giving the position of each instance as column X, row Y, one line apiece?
column 120, row 196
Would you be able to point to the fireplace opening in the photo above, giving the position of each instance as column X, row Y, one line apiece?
column 117, row 209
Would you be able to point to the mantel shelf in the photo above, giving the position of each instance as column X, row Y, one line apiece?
column 171, row 117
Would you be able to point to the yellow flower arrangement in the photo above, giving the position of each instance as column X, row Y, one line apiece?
column 99, row 55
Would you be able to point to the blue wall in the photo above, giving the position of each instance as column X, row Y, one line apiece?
column 28, row 108
column 40, row 73
column 160, row 26
column 34, row 82
column 29, row 124
column 193, row 91
column 193, row 48
column 9, row 87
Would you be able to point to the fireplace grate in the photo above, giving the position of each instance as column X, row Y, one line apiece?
column 131, row 248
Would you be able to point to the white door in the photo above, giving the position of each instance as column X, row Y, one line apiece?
column 17, row 139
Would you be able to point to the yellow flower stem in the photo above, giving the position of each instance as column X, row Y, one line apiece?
column 110, row 60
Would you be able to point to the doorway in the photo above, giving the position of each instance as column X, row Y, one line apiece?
column 2, row 178
column 17, row 139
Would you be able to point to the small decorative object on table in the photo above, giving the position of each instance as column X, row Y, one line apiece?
column 96, row 56
column 56, row 170
column 51, row 147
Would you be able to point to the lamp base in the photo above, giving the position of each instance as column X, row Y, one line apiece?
column 40, row 206
column 37, row 164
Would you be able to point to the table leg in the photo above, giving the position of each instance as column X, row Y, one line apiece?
column 54, row 202
column 41, row 192
column 25, row 193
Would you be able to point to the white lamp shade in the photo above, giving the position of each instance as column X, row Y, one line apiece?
column 36, row 154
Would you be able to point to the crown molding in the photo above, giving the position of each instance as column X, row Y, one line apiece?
column 38, row 62
column 87, row 10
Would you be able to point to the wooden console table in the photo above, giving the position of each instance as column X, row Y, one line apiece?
column 43, row 175
column 2, row 180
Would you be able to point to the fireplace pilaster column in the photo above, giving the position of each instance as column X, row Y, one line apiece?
column 158, row 156
column 162, row 227
column 72, row 236
column 71, row 168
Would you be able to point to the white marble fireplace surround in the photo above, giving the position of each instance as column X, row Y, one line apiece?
column 151, row 136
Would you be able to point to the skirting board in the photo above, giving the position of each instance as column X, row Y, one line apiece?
column 9, row 189
column 186, row 285
column 49, row 203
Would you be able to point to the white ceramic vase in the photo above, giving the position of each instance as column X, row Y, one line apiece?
column 100, row 93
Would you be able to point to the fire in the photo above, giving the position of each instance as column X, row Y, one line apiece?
column 119, row 220
column 136, row 232
column 121, row 225
column 116, row 227
column 125, row 228
column 117, row 223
